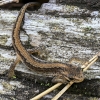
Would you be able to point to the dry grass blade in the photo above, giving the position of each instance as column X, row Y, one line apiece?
column 62, row 91
column 46, row 91
column 91, row 61
column 87, row 63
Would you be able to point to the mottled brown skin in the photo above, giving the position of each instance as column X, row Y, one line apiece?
column 60, row 72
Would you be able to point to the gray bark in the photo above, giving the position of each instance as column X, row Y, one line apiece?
column 65, row 32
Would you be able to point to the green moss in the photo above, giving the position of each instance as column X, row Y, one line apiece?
column 45, row 84
column 14, row 77
column 87, row 29
column 3, row 39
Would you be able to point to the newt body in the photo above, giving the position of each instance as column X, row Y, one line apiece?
column 60, row 72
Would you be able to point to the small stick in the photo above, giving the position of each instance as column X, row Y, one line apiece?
column 46, row 91
column 90, row 64
column 62, row 91
column 91, row 61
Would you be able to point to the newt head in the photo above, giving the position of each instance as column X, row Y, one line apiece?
column 69, row 73
column 74, row 74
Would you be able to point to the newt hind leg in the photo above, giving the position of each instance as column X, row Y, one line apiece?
column 12, row 67
column 60, row 79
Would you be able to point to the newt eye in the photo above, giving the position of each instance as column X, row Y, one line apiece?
column 71, row 78
column 81, row 76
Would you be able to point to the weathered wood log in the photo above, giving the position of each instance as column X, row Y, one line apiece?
column 65, row 32
column 84, row 3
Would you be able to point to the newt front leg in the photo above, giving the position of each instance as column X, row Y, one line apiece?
column 13, row 65
column 18, row 60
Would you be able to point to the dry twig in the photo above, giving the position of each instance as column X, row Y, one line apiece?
column 46, row 91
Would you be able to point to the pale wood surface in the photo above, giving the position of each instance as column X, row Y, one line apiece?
column 61, row 29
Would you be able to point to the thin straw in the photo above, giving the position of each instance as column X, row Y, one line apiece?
column 46, row 91
column 62, row 91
